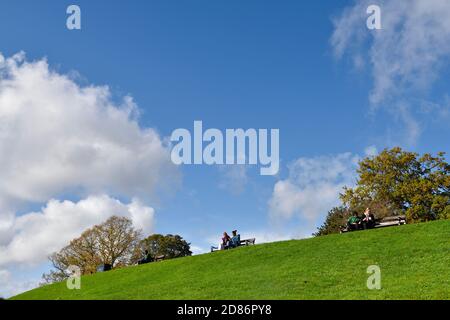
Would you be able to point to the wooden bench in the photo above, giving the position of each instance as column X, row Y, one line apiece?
column 248, row 242
column 384, row 222
column 160, row 258
column 390, row 221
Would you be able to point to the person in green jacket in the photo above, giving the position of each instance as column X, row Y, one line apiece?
column 353, row 222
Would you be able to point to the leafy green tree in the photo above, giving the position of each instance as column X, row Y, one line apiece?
column 400, row 182
column 171, row 246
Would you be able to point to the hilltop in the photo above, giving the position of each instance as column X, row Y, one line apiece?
column 414, row 261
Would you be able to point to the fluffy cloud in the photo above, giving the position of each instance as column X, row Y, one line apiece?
column 5, row 280
column 10, row 286
column 56, row 137
column 36, row 235
column 405, row 57
column 4, row 276
column 313, row 186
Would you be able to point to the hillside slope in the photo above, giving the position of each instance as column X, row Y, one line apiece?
column 414, row 262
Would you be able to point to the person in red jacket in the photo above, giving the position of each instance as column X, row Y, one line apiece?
column 225, row 241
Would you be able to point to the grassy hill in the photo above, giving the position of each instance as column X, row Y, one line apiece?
column 414, row 262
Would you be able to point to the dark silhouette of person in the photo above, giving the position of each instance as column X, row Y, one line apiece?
column 368, row 220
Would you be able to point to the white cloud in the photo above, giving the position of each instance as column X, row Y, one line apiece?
column 60, row 139
column 9, row 286
column 407, row 52
column 35, row 235
column 440, row 108
column 406, row 57
column 5, row 280
column 196, row 250
column 4, row 276
column 56, row 137
column 313, row 186
column 6, row 222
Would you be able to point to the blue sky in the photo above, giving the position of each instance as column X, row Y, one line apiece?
column 251, row 64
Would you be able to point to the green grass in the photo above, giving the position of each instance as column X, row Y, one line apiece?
column 414, row 262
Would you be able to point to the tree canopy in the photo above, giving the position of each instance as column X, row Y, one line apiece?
column 112, row 242
column 171, row 246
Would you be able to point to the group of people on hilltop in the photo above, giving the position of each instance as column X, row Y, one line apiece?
column 366, row 221
column 230, row 242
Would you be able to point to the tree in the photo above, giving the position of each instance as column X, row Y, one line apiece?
column 112, row 242
column 116, row 241
column 400, row 182
column 335, row 219
column 81, row 252
column 171, row 246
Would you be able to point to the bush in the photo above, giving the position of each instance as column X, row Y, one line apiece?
column 336, row 218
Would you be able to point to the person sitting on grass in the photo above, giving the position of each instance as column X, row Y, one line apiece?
column 353, row 222
column 235, row 240
column 368, row 221
column 225, row 241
